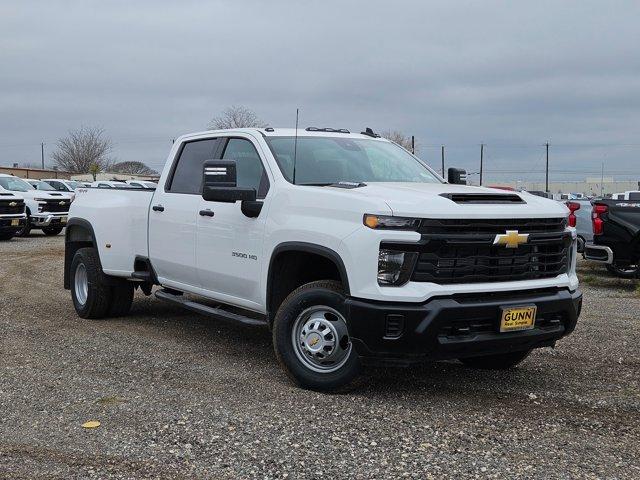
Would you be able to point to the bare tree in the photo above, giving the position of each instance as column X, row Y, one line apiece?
column 132, row 168
column 83, row 149
column 398, row 137
column 236, row 116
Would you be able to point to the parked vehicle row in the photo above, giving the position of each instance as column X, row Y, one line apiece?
column 349, row 248
column 44, row 209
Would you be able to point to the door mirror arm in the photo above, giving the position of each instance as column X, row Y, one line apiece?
column 251, row 208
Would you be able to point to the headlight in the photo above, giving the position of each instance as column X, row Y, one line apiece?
column 394, row 268
column 390, row 223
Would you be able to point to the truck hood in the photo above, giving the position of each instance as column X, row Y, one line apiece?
column 427, row 200
column 33, row 194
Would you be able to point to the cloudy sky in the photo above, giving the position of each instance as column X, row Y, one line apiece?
column 513, row 75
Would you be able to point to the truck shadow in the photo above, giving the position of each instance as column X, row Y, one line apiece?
column 211, row 341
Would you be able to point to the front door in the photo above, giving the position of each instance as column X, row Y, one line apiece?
column 173, row 216
column 229, row 244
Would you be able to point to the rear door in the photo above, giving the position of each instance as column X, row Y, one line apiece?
column 229, row 245
column 174, row 213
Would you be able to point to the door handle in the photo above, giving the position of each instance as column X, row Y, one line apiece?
column 157, row 208
column 206, row 213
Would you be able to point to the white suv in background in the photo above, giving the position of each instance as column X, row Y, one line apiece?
column 46, row 210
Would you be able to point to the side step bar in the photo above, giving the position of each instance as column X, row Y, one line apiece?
column 217, row 313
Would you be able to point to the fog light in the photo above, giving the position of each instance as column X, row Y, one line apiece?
column 394, row 268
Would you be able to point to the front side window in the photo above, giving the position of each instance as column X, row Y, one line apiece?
column 249, row 168
column 59, row 186
column 187, row 174
column 327, row 160
column 15, row 184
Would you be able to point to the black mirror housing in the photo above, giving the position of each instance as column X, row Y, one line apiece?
column 457, row 176
column 220, row 183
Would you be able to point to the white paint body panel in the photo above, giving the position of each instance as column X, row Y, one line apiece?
column 194, row 253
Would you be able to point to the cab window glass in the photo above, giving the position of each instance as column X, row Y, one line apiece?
column 187, row 176
column 250, row 171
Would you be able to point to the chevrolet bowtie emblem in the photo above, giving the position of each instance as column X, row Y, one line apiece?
column 13, row 204
column 63, row 203
column 511, row 239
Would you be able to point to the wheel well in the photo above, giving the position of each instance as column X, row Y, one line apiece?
column 290, row 269
column 76, row 237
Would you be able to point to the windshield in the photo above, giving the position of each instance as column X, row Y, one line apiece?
column 327, row 160
column 45, row 186
column 72, row 184
column 15, row 184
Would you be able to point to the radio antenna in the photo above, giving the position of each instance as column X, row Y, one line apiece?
column 295, row 149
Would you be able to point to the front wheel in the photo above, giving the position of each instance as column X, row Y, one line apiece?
column 501, row 361
column 311, row 338
column 623, row 271
column 26, row 229
column 51, row 231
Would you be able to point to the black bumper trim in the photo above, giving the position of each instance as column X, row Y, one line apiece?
column 459, row 326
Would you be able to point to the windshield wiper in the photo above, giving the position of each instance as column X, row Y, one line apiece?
column 335, row 184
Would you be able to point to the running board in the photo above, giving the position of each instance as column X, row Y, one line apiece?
column 217, row 313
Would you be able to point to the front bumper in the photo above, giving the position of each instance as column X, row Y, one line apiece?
column 12, row 223
column 598, row 253
column 47, row 219
column 457, row 326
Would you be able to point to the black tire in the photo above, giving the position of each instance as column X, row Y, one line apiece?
column 325, row 293
column 623, row 271
column 99, row 292
column 26, row 229
column 7, row 235
column 501, row 361
column 51, row 231
column 121, row 298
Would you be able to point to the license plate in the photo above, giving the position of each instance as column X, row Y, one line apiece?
column 63, row 220
column 518, row 318
column 15, row 222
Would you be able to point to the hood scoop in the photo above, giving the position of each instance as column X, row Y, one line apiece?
column 483, row 198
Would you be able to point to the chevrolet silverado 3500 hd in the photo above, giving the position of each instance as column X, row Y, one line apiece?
column 352, row 250
column 12, row 214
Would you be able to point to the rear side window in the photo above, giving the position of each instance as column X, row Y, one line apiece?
column 187, row 174
column 249, row 168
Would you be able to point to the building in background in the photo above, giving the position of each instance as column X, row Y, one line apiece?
column 35, row 173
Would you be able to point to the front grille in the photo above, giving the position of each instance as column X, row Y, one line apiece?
column 494, row 226
column 449, row 261
column 7, row 207
column 464, row 327
column 56, row 206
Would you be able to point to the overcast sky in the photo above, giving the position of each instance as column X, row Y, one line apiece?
column 510, row 74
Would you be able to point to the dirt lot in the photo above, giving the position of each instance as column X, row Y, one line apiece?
column 181, row 396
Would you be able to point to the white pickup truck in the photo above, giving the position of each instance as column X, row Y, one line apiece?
column 46, row 210
column 12, row 214
column 352, row 250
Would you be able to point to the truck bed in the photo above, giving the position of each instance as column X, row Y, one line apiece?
column 119, row 218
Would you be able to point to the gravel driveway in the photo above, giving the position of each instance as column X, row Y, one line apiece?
column 182, row 396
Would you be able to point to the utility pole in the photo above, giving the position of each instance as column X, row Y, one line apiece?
column 413, row 144
column 481, row 161
column 42, row 154
column 442, row 155
column 547, row 170
column 602, row 181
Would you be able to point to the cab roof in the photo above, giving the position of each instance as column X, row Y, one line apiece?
column 291, row 132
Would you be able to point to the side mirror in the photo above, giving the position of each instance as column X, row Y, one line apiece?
column 457, row 176
column 219, row 184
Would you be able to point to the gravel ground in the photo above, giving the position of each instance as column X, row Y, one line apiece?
column 181, row 396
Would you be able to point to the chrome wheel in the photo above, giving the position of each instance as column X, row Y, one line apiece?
column 81, row 284
column 321, row 339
